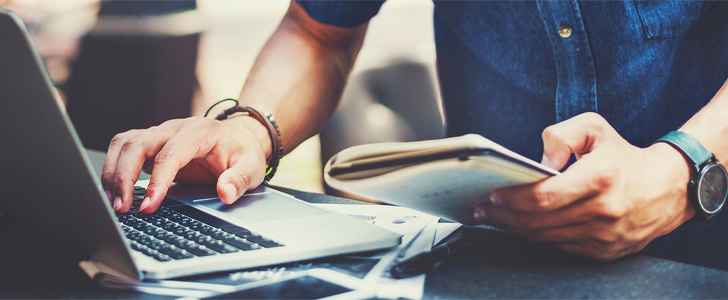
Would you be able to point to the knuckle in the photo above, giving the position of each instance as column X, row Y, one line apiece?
column 117, row 139
column 594, row 118
column 611, row 210
column 543, row 198
column 107, row 176
column 605, row 178
column 595, row 121
column 550, row 133
column 131, row 143
column 120, row 138
column 607, row 238
column 119, row 180
column 156, row 186
column 245, row 179
column 164, row 156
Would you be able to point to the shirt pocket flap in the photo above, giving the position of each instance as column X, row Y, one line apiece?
column 664, row 19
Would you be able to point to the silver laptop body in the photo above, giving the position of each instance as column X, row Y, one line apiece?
column 47, row 181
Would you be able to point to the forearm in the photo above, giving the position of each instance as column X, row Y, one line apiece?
column 300, row 73
column 710, row 125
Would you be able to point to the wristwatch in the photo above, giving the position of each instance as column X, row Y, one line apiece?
column 708, row 186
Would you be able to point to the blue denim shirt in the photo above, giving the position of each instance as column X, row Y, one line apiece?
column 508, row 69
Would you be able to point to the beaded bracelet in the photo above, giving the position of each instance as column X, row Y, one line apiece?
column 270, row 124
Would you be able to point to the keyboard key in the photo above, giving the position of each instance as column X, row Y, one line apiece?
column 157, row 244
column 180, row 230
column 176, row 253
column 169, row 226
column 270, row 244
column 185, row 220
column 241, row 244
column 201, row 239
column 245, row 234
column 200, row 216
column 148, row 229
column 133, row 235
column 165, row 248
column 160, row 222
column 181, row 255
column 150, row 218
column 145, row 240
column 162, row 257
column 148, row 251
column 165, row 212
column 199, row 250
column 134, row 245
column 221, row 235
column 191, row 234
column 194, row 225
column 177, row 241
column 169, row 202
column 234, row 229
column 138, row 225
column 219, row 246
column 208, row 230
column 175, row 217
column 229, row 249
column 266, row 243
column 159, row 233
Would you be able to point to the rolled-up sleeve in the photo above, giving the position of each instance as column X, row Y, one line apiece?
column 341, row 13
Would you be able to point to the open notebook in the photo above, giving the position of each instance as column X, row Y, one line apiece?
column 445, row 177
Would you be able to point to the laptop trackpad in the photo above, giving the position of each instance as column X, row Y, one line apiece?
column 266, row 206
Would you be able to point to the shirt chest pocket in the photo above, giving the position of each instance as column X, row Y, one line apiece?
column 664, row 19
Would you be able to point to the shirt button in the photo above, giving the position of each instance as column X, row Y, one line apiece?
column 565, row 30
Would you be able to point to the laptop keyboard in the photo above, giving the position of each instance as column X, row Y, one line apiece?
column 178, row 231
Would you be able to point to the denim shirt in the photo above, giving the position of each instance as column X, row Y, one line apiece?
column 509, row 69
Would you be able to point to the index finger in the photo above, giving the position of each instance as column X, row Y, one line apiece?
column 176, row 154
column 579, row 181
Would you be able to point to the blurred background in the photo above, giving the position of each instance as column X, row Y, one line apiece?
column 124, row 64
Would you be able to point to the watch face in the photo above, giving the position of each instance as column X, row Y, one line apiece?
column 712, row 188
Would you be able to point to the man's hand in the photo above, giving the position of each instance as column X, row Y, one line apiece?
column 612, row 202
column 193, row 150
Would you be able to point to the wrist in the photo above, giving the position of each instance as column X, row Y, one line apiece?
column 275, row 151
column 257, row 129
column 676, row 171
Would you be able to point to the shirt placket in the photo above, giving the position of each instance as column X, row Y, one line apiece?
column 576, row 90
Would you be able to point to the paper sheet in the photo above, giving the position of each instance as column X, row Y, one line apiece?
column 444, row 230
column 418, row 237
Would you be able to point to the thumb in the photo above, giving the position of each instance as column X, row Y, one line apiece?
column 244, row 175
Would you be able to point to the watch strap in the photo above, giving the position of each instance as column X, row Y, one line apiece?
column 689, row 146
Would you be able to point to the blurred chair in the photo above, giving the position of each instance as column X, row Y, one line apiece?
column 135, row 69
column 395, row 103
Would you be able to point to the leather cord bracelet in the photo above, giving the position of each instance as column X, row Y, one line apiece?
column 270, row 124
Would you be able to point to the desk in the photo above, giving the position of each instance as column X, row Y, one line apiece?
column 499, row 265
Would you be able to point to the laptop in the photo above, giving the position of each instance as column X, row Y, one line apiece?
column 46, row 180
